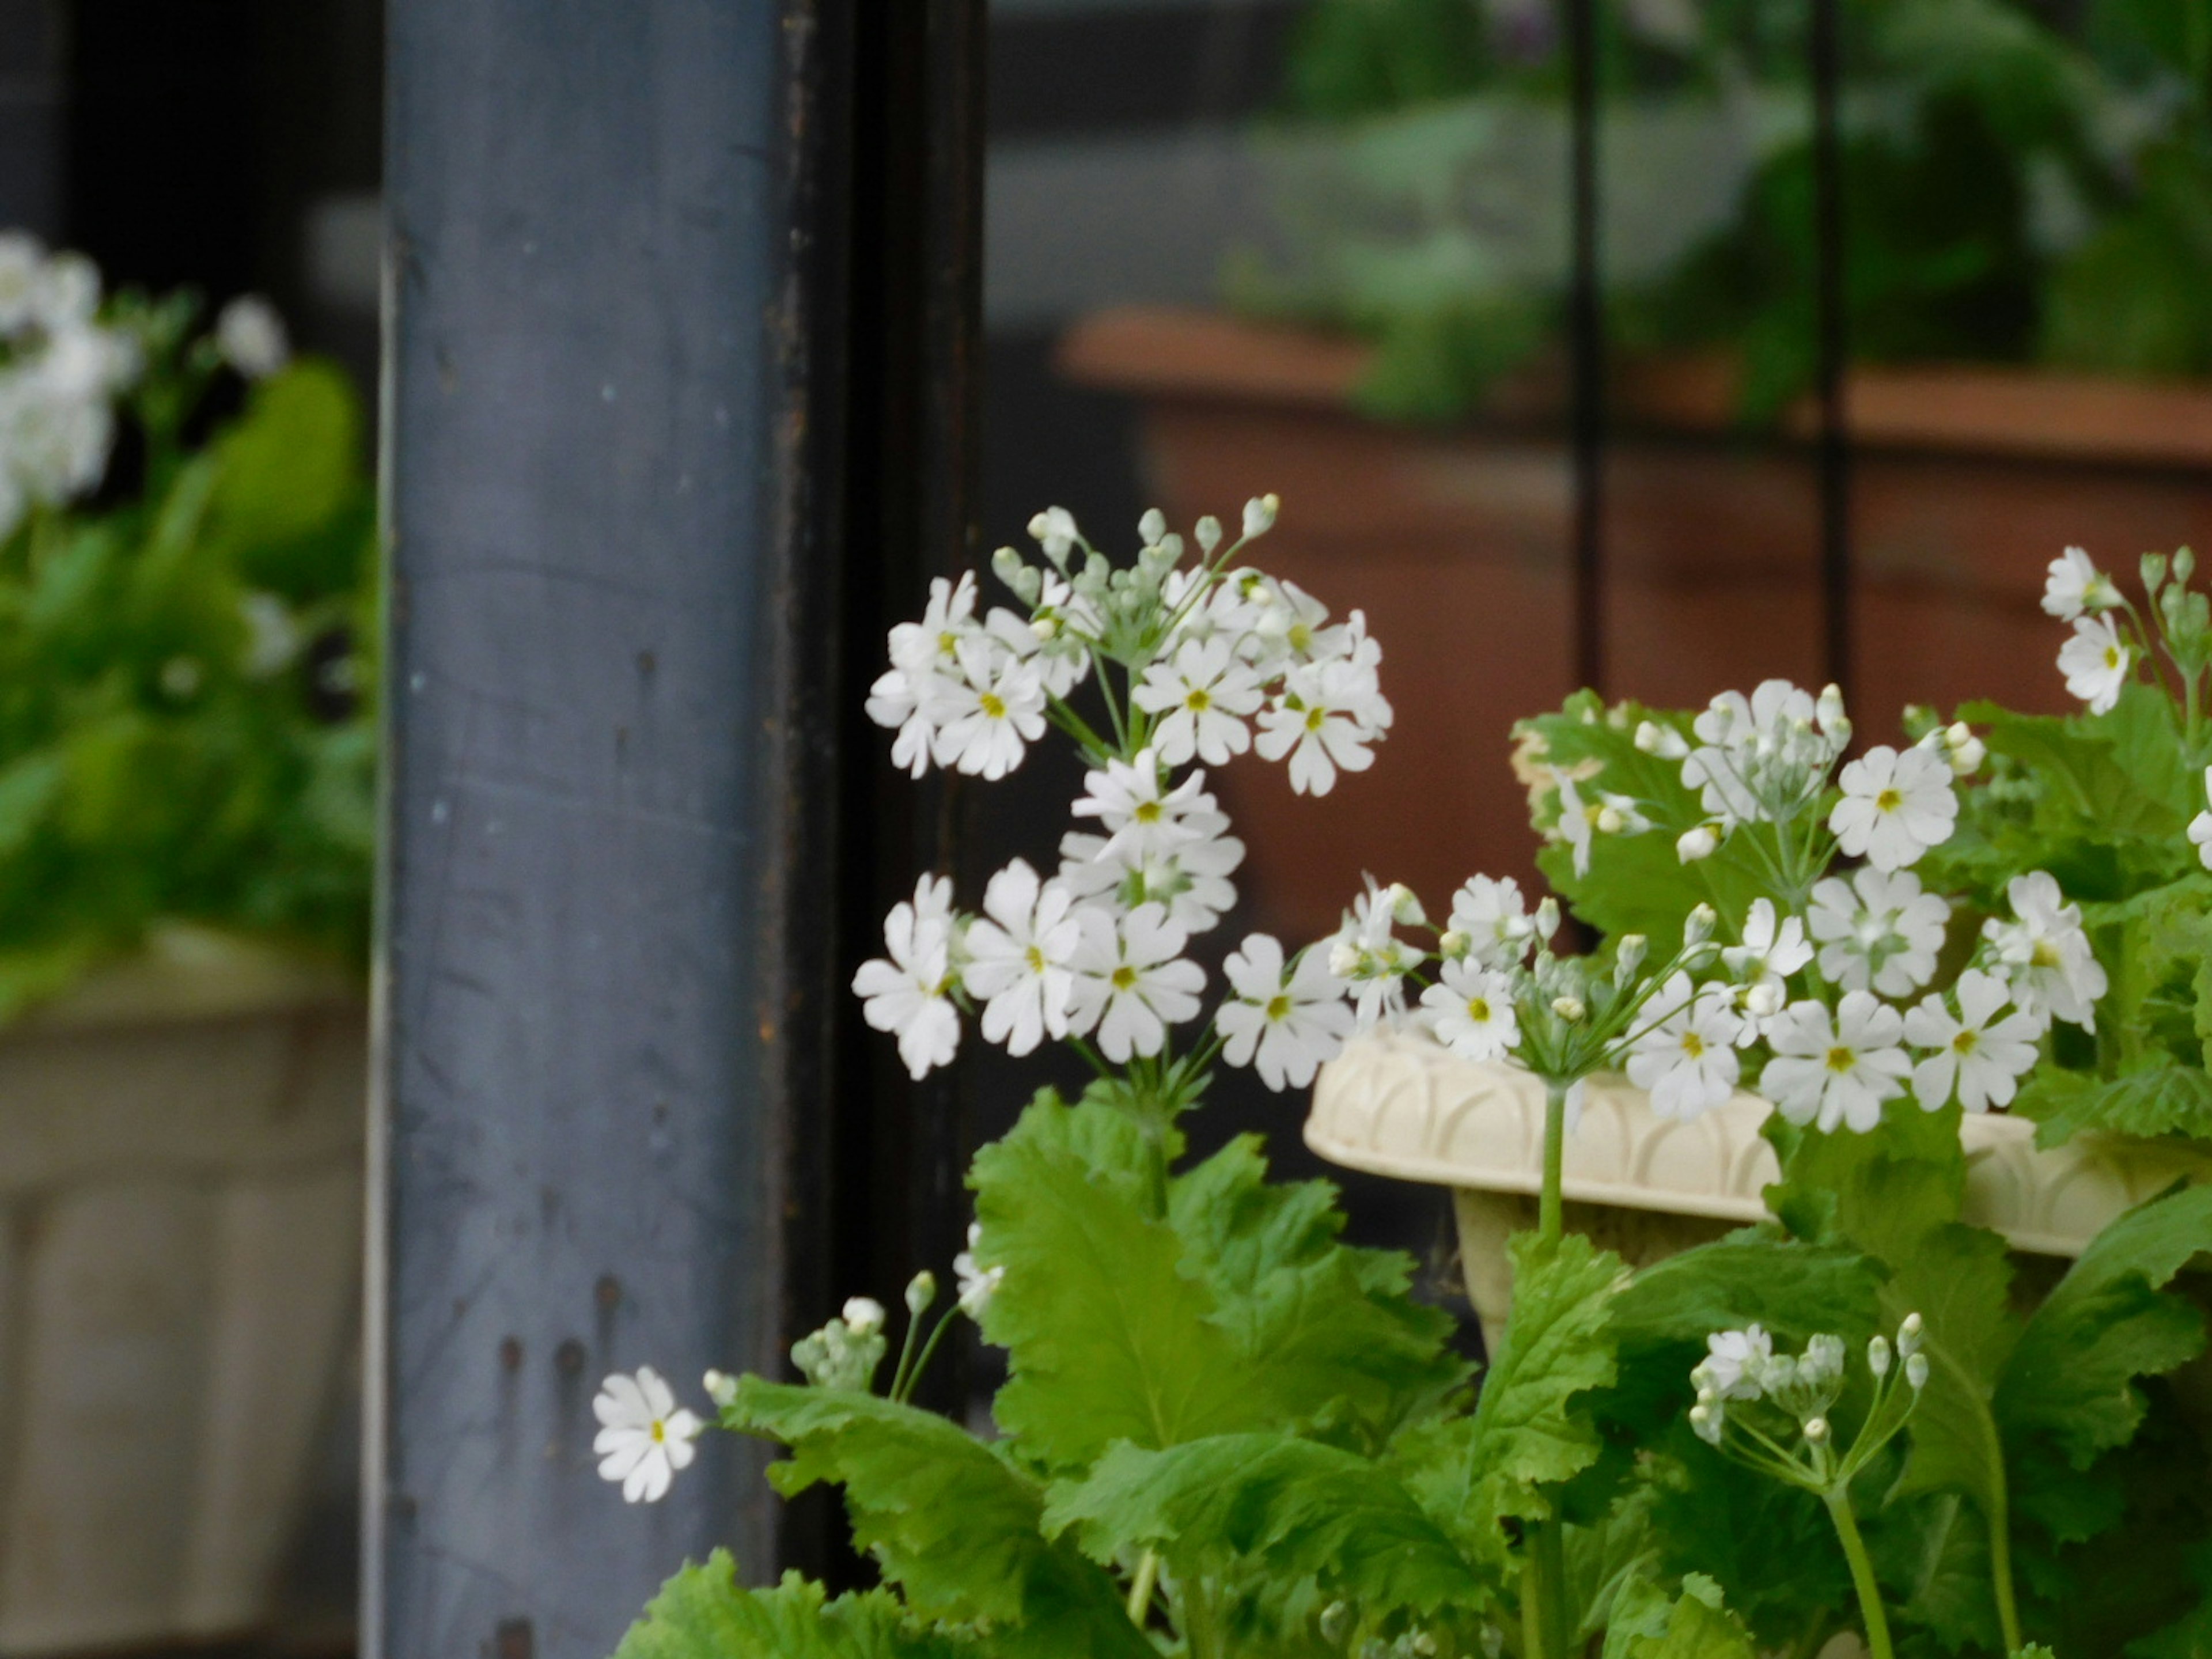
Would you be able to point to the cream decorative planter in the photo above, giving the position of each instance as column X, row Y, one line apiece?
column 1400, row 1104
column 180, row 1145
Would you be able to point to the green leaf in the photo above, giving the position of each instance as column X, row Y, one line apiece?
column 1646, row 1625
column 1325, row 1326
column 293, row 464
column 949, row 1519
column 1302, row 1508
column 1529, row 1433
column 2072, row 1374
column 2119, row 774
column 2164, row 1097
column 703, row 1612
column 1773, row 1548
column 1107, row 1339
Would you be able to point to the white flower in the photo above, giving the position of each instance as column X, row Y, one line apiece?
column 1895, row 806
column 251, row 336
column 1982, row 1059
column 1140, row 821
column 1204, row 694
column 644, row 1436
column 1020, row 952
column 2075, row 584
column 1733, row 1362
column 2200, row 827
column 1471, row 1011
column 1878, row 932
column 272, row 638
column 913, row 696
column 1582, row 821
column 992, row 712
column 1055, row 531
column 1769, row 953
column 66, row 292
column 1958, row 748
column 1283, row 1021
column 1840, row 1072
column 2045, row 952
column 1131, row 983
column 1700, row 841
column 1686, row 1056
column 977, row 1284
column 863, row 1314
column 1365, row 953
column 1757, row 750
column 1323, row 722
column 2096, row 663
column 909, row 993
column 1490, row 912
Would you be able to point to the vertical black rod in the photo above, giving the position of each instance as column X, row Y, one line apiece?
column 1831, row 300
column 602, row 532
column 34, row 114
column 1586, row 337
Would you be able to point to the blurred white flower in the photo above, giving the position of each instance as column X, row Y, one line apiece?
column 1490, row 912
column 1733, row 1361
column 1878, row 931
column 1141, row 817
column 1686, row 1056
column 1895, row 806
column 1835, row 1072
column 251, row 336
column 908, row 992
column 1471, row 1011
column 1323, row 723
column 2200, row 827
column 272, row 638
column 1581, row 821
column 1980, row 1056
column 2045, row 952
column 1020, row 955
column 1131, row 981
column 977, row 1284
column 644, row 1436
column 1769, row 952
column 1203, row 696
column 1283, row 1020
column 991, row 712
column 2096, row 663
column 2075, row 584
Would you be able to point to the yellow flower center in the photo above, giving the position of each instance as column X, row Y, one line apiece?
column 1693, row 1045
column 1967, row 1042
column 1478, row 1010
column 1888, row 801
column 1034, row 957
column 659, row 1431
column 1148, row 812
column 1279, row 1006
column 1313, row 718
column 948, row 643
column 2044, row 954
column 1125, row 978
column 994, row 705
column 1199, row 701
column 1841, row 1059
column 1300, row 636
column 2112, row 657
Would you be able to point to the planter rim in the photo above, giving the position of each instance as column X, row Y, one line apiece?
column 1400, row 1104
column 184, row 972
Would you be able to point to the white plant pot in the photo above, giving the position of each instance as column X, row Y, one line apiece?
column 1400, row 1104
column 180, row 1191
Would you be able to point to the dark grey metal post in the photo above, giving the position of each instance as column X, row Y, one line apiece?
column 32, row 99
column 591, row 421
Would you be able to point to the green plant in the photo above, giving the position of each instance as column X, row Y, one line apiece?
column 186, row 614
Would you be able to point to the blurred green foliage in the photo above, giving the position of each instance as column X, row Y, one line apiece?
column 186, row 674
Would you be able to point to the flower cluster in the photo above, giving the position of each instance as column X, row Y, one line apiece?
column 62, row 370
column 1771, row 1411
column 1215, row 660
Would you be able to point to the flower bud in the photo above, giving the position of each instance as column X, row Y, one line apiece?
column 1548, row 918
column 864, row 1316
column 1453, row 945
column 1628, row 955
column 1762, row 1002
column 1816, row 1430
column 1405, row 905
column 1908, row 1335
column 2184, row 565
column 1916, row 1371
column 1343, row 958
column 1609, row 820
column 1829, row 713
column 2154, row 572
column 1209, row 532
column 721, row 1389
column 920, row 1291
column 1336, row 1622
column 1701, row 842
column 1044, row 628
column 1967, row 751
column 1707, row 1395
column 1878, row 1356
column 1569, row 1009
column 1260, row 515
column 1152, row 527
column 1647, row 736
column 1698, row 926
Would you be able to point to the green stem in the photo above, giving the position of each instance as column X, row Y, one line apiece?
column 1155, row 1166
column 1549, row 1223
column 1201, row 1637
column 1839, row 1500
column 1140, row 1592
column 906, row 1356
column 929, row 1350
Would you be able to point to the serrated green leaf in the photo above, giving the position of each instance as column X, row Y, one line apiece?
column 1647, row 1625
column 948, row 1518
column 1326, row 1326
column 1107, row 1339
column 1302, row 1508
column 2121, row 773
column 703, row 1612
column 1771, row 1547
column 2163, row 1098
column 2071, row 1376
column 1530, row 1431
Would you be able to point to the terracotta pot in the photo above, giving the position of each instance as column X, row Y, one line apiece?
column 1966, row 484
column 181, row 1194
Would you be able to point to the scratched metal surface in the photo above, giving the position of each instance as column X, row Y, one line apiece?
column 578, row 1174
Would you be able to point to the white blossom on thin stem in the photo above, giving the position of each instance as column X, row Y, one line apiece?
column 1323, row 723
column 1770, row 951
column 1895, row 806
column 644, row 1436
column 1878, row 932
column 2200, row 827
column 1131, row 983
column 1141, row 815
column 1470, row 1009
column 2096, row 662
column 2075, row 584
column 1020, row 955
column 977, row 1284
column 1283, row 1020
column 1174, row 850
column 1369, row 955
column 2045, row 952
column 1733, row 1362
column 909, row 990
column 991, row 713
column 1581, row 821
column 1686, row 1056
column 909, row 696
column 1203, row 696
column 1777, row 740
column 1837, row 1071
column 1980, row 1057
column 1490, row 914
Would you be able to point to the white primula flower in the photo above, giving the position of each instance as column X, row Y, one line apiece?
column 1192, row 880
column 2045, row 952
column 1734, row 1361
column 1840, row 1072
column 251, row 336
column 1471, row 1011
column 1490, row 912
column 1203, row 697
column 1770, row 953
column 2096, row 662
column 1366, row 953
column 1141, row 819
column 1751, row 747
column 978, row 1284
column 1282, row 1021
column 1878, row 932
column 1581, row 821
column 1280, row 625
column 910, row 993
column 644, row 1436
column 1981, row 1057
column 1895, row 806
column 992, row 712
column 914, row 696
column 1323, row 723
column 1131, row 981
column 2075, row 584
column 1686, row 1056
column 2200, row 827
column 1020, row 952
